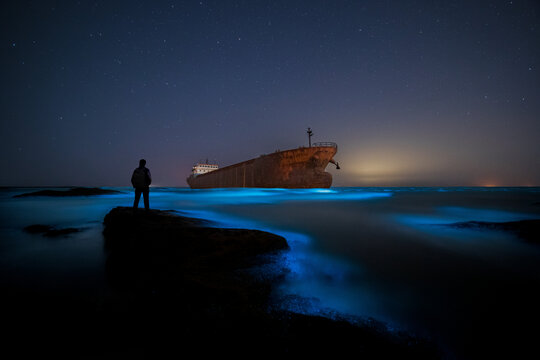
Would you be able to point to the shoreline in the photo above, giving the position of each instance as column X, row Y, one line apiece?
column 177, row 286
column 204, row 281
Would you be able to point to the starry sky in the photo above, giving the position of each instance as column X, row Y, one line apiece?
column 415, row 93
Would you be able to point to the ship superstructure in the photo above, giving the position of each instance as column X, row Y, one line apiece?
column 203, row 168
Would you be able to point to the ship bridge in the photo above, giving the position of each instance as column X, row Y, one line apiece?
column 325, row 144
column 199, row 168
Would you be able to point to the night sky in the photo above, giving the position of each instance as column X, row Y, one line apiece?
column 415, row 93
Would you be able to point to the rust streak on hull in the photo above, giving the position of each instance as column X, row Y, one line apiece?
column 297, row 168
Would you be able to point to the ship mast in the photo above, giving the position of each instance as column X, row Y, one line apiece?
column 310, row 134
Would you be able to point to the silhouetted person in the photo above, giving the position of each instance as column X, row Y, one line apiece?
column 141, row 180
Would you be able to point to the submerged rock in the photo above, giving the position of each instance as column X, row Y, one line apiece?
column 76, row 191
column 49, row 230
column 38, row 228
column 528, row 230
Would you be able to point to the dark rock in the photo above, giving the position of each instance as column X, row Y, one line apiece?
column 50, row 231
column 528, row 230
column 38, row 228
column 182, row 287
column 159, row 251
column 61, row 232
column 76, row 191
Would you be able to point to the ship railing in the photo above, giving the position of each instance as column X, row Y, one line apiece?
column 327, row 144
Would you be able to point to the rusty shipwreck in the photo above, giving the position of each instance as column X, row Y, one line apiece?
column 303, row 167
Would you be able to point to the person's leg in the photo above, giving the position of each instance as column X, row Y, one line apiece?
column 146, row 198
column 137, row 197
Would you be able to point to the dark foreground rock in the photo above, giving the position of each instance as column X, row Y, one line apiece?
column 76, row 191
column 528, row 230
column 195, row 284
column 182, row 289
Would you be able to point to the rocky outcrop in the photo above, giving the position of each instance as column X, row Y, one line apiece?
column 182, row 287
column 160, row 252
column 528, row 230
column 49, row 230
column 76, row 191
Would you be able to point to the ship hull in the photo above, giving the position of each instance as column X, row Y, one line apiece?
column 296, row 168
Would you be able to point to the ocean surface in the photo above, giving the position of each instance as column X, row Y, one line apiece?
column 358, row 253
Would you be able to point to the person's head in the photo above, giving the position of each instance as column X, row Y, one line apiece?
column 142, row 162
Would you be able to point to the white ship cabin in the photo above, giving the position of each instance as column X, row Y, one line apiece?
column 199, row 169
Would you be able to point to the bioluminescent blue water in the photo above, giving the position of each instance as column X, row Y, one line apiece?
column 382, row 253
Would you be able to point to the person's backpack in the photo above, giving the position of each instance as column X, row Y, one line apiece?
column 139, row 178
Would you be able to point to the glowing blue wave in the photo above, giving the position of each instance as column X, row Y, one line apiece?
column 268, row 196
column 316, row 281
